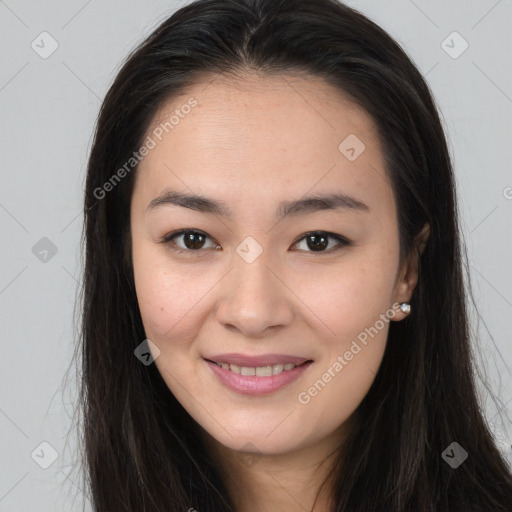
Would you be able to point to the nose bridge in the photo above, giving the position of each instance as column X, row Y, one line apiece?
column 254, row 298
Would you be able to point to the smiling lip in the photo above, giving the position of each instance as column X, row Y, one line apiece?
column 254, row 361
column 255, row 385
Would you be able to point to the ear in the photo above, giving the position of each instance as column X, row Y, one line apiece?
column 408, row 274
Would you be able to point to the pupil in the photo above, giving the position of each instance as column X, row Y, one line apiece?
column 190, row 243
column 318, row 242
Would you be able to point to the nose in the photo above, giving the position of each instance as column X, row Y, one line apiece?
column 255, row 298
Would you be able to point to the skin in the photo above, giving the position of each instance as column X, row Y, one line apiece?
column 253, row 143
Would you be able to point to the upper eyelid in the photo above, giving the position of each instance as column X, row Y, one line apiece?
column 181, row 232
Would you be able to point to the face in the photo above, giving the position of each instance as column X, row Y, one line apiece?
column 257, row 275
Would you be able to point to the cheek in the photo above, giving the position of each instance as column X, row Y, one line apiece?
column 352, row 300
column 358, row 317
column 169, row 299
column 348, row 296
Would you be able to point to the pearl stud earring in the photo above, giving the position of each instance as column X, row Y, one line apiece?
column 405, row 307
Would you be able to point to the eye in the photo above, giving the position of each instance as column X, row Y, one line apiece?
column 317, row 241
column 194, row 240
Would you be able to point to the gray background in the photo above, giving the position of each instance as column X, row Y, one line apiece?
column 48, row 108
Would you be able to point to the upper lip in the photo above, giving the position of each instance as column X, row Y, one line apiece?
column 261, row 360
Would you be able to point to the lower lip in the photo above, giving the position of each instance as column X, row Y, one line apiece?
column 252, row 385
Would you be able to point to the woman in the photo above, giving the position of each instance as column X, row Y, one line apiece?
column 274, row 311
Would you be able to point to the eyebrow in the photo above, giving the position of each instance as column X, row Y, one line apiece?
column 315, row 203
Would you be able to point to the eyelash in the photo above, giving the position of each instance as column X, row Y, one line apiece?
column 168, row 241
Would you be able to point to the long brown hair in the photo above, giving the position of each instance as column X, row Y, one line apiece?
column 142, row 450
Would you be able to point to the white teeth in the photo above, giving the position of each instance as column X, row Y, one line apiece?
column 264, row 371
column 259, row 371
column 277, row 368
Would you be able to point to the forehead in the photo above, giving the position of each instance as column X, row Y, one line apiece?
column 258, row 137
